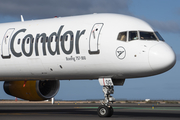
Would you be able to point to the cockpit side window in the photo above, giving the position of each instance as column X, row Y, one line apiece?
column 133, row 35
column 147, row 36
column 159, row 36
column 122, row 36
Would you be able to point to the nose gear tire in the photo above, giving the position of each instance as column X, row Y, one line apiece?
column 105, row 111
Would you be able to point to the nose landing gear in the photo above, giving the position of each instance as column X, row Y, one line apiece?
column 105, row 110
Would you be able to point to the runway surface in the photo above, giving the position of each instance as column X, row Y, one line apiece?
column 44, row 111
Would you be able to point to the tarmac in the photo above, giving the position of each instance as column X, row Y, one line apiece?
column 87, row 111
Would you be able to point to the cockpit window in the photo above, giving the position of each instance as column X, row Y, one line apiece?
column 133, row 35
column 122, row 36
column 159, row 36
column 139, row 35
column 147, row 36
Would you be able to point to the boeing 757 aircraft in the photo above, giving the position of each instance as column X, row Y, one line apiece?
column 36, row 54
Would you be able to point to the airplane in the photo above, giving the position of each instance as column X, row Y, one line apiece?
column 37, row 54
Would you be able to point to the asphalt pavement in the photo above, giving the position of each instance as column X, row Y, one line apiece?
column 46, row 111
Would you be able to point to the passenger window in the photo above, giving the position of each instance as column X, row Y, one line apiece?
column 66, row 37
column 37, row 39
column 28, row 41
column 23, row 41
column 51, row 39
column 56, row 39
column 19, row 40
column 61, row 38
column 72, row 37
column 122, row 36
column 133, row 35
column 32, row 40
column 42, row 40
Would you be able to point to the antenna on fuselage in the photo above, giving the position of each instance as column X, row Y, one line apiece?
column 22, row 19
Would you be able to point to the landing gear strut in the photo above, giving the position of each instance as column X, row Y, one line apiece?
column 105, row 110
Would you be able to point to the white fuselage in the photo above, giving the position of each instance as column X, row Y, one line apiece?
column 80, row 47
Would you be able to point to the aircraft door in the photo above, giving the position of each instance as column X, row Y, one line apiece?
column 5, row 43
column 94, row 38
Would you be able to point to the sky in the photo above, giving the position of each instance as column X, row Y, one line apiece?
column 162, row 15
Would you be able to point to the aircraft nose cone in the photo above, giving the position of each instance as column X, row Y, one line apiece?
column 161, row 58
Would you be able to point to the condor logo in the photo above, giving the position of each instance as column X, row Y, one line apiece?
column 120, row 52
column 29, row 43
